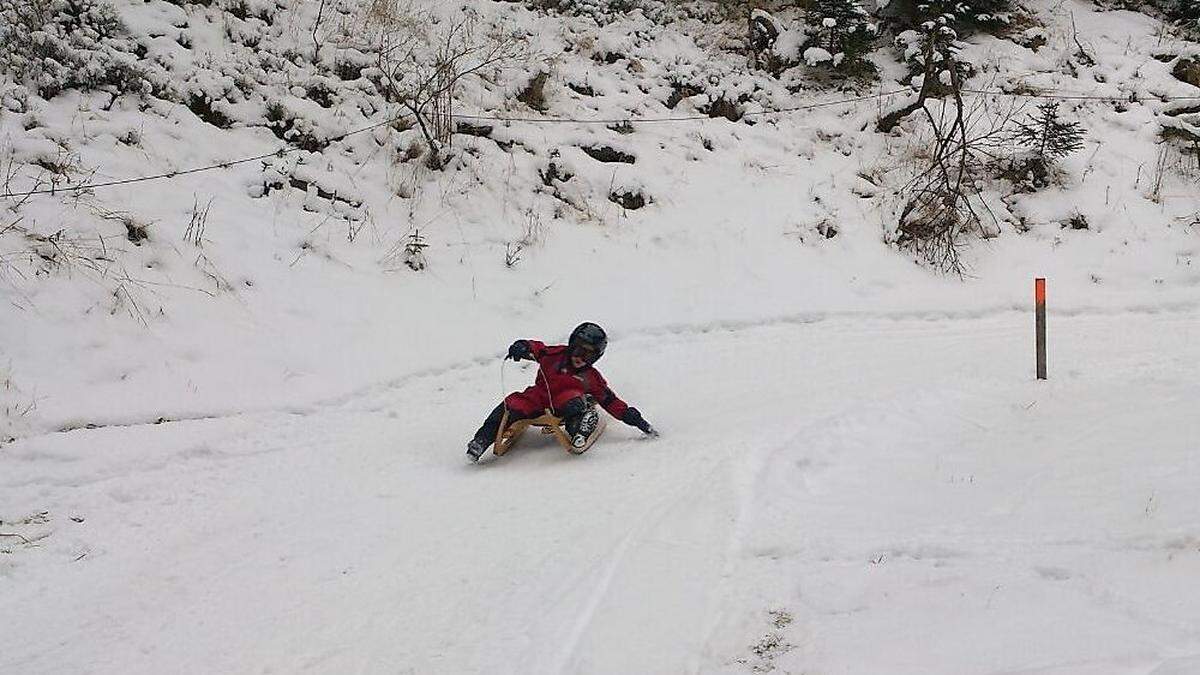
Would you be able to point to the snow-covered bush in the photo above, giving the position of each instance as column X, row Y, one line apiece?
column 605, row 11
column 1180, row 122
column 841, row 33
column 55, row 45
column 762, row 39
column 420, row 64
column 942, row 204
column 964, row 14
column 1184, row 12
column 710, row 87
column 1187, row 11
column 292, row 128
column 931, row 50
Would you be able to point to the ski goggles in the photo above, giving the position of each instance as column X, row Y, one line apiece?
column 586, row 352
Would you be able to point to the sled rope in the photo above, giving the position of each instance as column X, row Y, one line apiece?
column 546, row 381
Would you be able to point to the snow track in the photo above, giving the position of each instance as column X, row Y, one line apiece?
column 875, row 496
column 681, row 331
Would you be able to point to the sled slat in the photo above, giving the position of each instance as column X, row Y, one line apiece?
column 549, row 424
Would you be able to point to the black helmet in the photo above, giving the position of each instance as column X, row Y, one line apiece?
column 588, row 341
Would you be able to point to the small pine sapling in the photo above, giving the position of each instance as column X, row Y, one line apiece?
column 844, row 29
column 1044, row 138
column 414, row 251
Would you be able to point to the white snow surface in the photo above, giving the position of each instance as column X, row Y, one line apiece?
column 246, row 455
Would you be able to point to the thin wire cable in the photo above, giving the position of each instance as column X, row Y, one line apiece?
column 280, row 152
column 1081, row 97
column 283, row 151
column 677, row 118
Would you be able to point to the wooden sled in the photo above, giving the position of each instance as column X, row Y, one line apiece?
column 550, row 425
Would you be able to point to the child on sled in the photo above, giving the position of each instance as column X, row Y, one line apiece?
column 567, row 384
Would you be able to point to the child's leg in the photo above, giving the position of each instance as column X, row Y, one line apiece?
column 491, row 426
column 520, row 405
column 487, row 431
column 579, row 415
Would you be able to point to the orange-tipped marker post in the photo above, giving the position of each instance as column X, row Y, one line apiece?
column 1039, row 297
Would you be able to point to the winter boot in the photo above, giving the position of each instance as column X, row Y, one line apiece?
column 476, row 448
column 582, row 426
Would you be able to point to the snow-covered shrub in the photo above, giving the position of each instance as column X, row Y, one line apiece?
column 789, row 46
column 605, row 11
column 292, row 128
column 1180, row 129
column 630, row 199
column 208, row 93
column 841, row 33
column 321, row 90
column 931, row 50
column 1187, row 11
column 964, row 14
column 763, row 35
column 1184, row 12
column 1187, row 69
column 711, row 87
column 942, row 205
column 420, row 64
column 55, row 45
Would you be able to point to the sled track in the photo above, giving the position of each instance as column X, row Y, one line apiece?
column 670, row 330
column 654, row 517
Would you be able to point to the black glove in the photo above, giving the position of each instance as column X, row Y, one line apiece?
column 519, row 350
column 634, row 418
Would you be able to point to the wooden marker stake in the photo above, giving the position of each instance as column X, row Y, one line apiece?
column 1039, row 292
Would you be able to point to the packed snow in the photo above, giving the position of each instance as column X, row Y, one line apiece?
column 235, row 402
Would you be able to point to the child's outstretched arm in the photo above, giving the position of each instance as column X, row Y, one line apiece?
column 621, row 410
column 634, row 419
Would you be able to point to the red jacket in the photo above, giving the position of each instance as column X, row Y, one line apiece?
column 558, row 382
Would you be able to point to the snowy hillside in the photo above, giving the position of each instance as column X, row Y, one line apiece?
column 236, row 393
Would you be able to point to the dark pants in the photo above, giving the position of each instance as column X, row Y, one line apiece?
column 570, row 413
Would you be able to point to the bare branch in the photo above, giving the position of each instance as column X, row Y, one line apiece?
column 316, row 31
column 424, row 81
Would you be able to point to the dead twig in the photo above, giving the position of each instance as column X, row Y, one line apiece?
column 316, row 31
column 199, row 221
column 1084, row 57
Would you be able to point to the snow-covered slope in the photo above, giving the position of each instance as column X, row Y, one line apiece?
column 856, row 474
column 818, row 502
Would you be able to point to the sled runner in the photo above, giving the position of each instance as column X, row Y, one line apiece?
column 550, row 425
